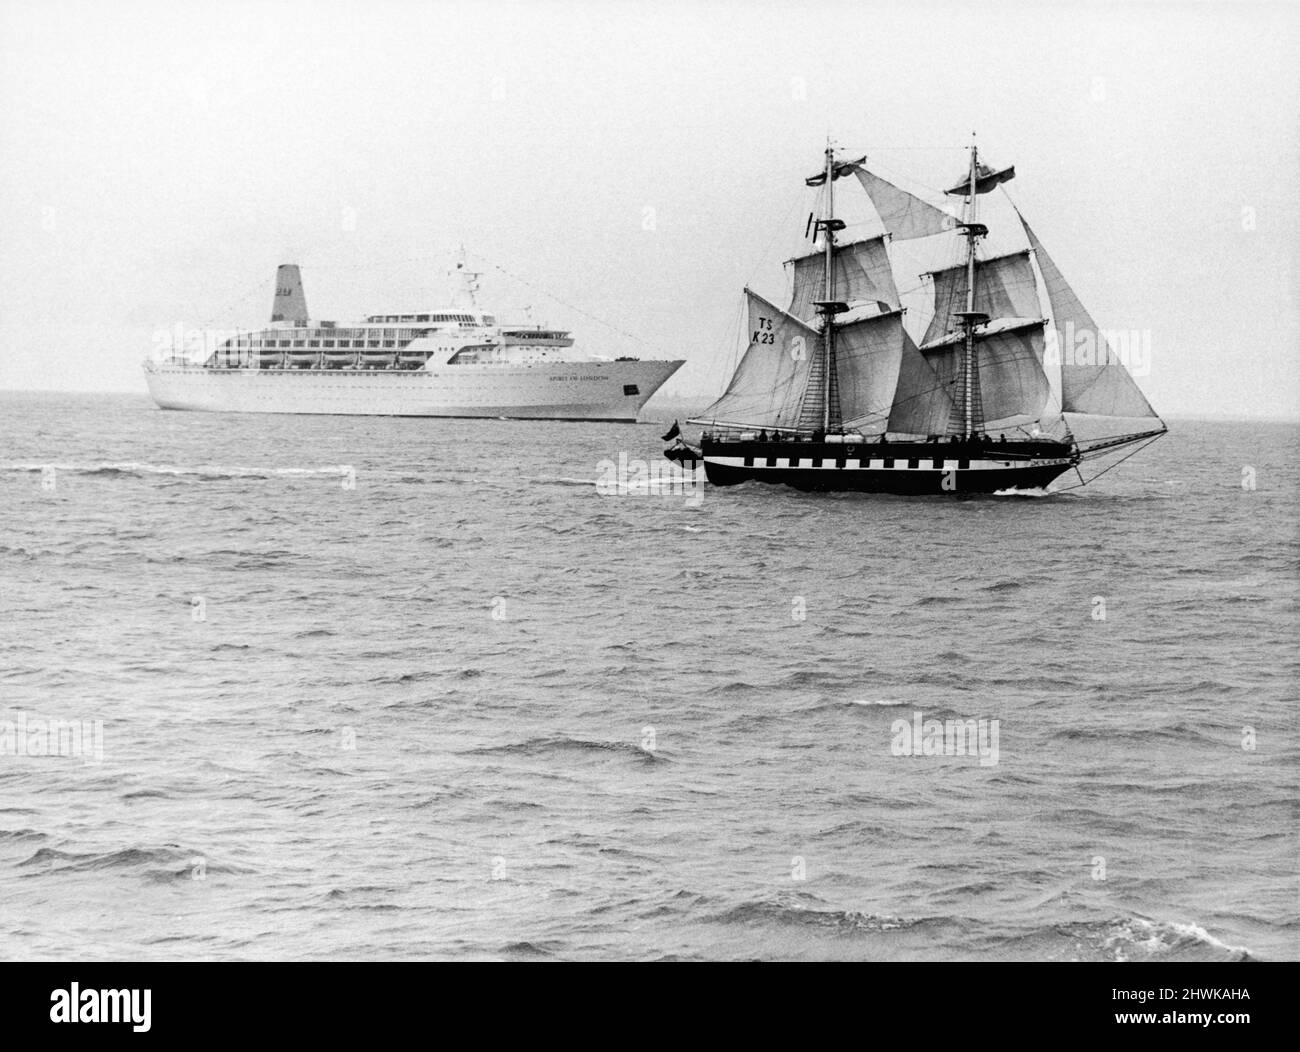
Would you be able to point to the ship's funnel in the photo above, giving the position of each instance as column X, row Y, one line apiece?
column 290, row 301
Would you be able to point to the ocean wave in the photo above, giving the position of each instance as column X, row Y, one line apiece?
column 886, row 703
column 532, row 949
column 560, row 745
column 766, row 912
column 418, row 676
column 203, row 471
column 21, row 835
column 562, row 480
column 154, row 864
column 1031, row 492
column 1136, row 938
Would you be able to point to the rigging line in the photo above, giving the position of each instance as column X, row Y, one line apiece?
column 1117, row 463
column 940, row 385
column 732, row 341
column 797, row 199
column 228, row 308
column 897, row 173
column 376, row 265
column 562, row 303
column 733, row 331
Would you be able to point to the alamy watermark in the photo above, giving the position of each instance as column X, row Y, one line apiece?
column 1083, row 347
column 922, row 737
column 38, row 737
column 631, row 477
column 193, row 344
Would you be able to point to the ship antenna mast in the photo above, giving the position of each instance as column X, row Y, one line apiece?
column 466, row 295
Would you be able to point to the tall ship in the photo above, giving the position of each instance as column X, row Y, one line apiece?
column 457, row 361
column 1009, row 385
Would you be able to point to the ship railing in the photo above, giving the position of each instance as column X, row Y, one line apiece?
column 755, row 434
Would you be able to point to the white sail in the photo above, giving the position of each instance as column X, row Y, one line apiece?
column 904, row 215
column 862, row 274
column 868, row 355
column 771, row 377
column 1004, row 288
column 1013, row 387
column 922, row 403
column 1094, row 380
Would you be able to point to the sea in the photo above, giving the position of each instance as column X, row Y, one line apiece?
column 308, row 688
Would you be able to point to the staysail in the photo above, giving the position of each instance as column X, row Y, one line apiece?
column 1005, row 287
column 868, row 355
column 770, row 379
column 923, row 403
column 904, row 215
column 862, row 273
column 1094, row 380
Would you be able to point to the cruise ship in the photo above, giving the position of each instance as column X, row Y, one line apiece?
column 454, row 362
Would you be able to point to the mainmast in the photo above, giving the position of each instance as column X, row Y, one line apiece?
column 972, row 414
column 828, row 327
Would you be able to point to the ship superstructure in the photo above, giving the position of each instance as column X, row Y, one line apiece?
column 454, row 361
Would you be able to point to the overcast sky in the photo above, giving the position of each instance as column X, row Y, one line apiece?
column 631, row 166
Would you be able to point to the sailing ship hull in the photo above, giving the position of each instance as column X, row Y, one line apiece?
column 912, row 468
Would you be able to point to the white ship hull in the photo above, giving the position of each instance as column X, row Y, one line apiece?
column 590, row 390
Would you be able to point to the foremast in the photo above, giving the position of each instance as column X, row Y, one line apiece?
column 821, row 408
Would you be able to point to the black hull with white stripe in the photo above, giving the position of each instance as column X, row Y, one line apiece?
column 912, row 468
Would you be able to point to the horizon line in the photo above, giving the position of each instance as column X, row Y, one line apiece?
column 680, row 400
